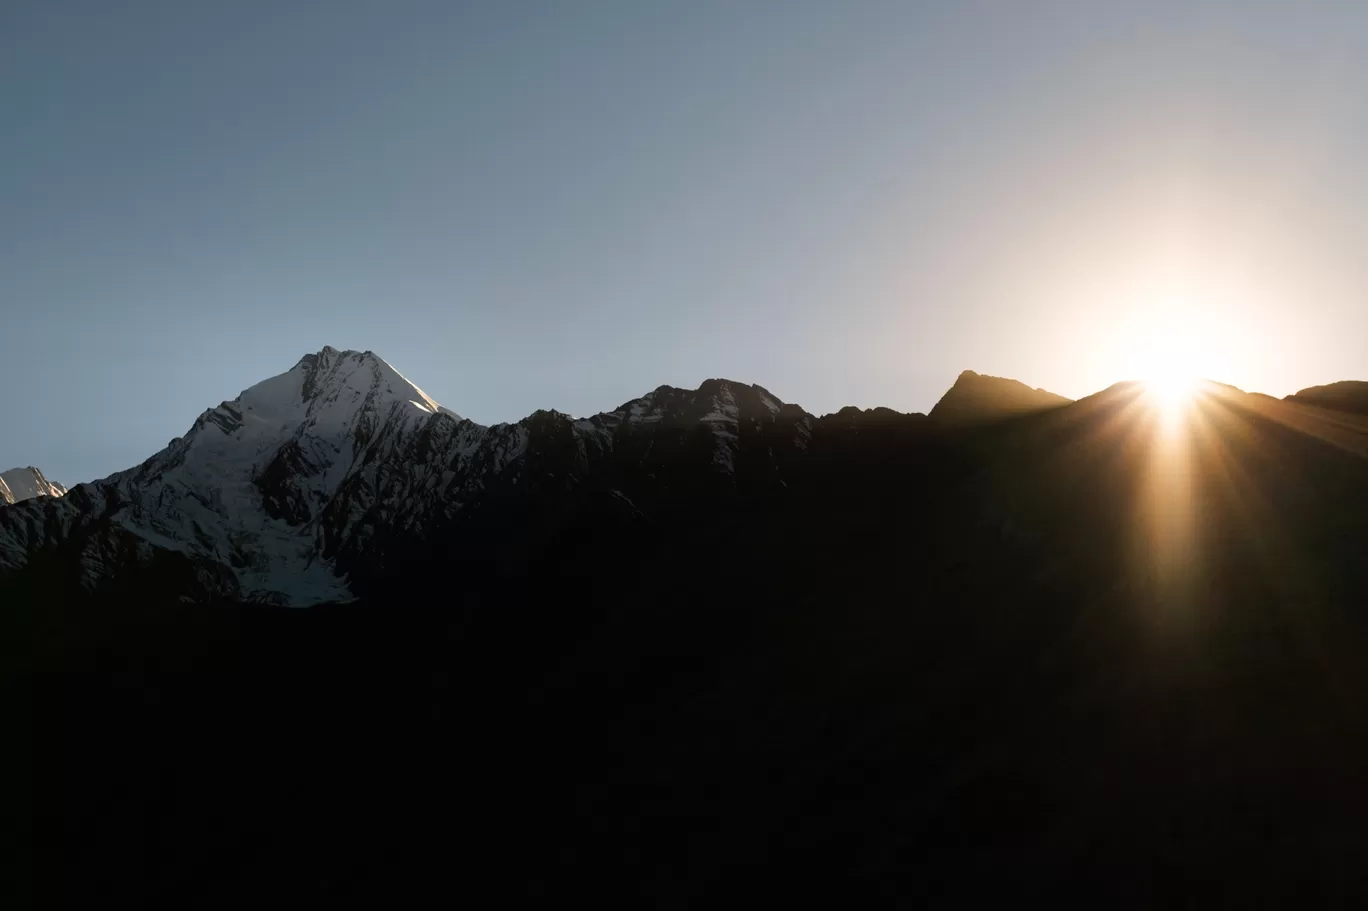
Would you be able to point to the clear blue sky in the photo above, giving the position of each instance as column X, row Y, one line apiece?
column 566, row 204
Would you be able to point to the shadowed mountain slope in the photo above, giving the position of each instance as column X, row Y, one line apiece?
column 1347, row 395
column 976, row 398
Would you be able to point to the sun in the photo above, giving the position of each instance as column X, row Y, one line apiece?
column 1170, row 392
column 1167, row 360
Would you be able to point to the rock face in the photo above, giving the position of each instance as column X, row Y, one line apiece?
column 25, row 484
column 312, row 483
column 976, row 398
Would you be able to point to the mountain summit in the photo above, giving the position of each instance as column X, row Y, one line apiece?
column 241, row 495
column 977, row 398
column 25, row 483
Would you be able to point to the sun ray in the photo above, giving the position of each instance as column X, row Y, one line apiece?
column 1171, row 394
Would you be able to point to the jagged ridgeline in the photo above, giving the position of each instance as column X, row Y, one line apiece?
column 341, row 479
column 313, row 484
column 702, row 645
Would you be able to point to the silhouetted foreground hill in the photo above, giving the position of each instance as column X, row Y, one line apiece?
column 1080, row 654
column 1348, row 395
column 976, row 398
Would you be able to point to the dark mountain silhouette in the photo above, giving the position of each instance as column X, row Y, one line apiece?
column 976, row 398
column 1349, row 395
column 1077, row 654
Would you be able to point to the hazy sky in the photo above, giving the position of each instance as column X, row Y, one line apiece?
column 566, row 204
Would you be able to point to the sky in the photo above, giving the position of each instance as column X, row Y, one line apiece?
column 527, row 205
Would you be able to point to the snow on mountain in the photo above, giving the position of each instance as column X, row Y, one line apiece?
column 25, row 483
column 717, row 405
column 244, row 485
column 247, row 483
column 306, row 478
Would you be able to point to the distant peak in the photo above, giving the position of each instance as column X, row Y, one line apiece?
column 715, row 396
column 1346, row 395
column 977, row 397
column 26, row 483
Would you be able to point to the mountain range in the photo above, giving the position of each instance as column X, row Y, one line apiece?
column 305, row 487
column 700, row 649
column 314, row 484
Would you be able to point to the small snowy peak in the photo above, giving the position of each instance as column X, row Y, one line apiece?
column 645, row 410
column 772, row 404
column 722, row 400
column 25, row 484
column 727, row 408
column 719, row 400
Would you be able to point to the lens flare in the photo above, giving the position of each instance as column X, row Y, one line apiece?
column 1170, row 394
column 1168, row 356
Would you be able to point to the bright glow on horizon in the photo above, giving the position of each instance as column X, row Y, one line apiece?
column 1170, row 350
column 848, row 204
column 1171, row 394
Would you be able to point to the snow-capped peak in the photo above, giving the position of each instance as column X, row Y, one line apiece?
column 330, row 379
column 248, row 482
column 25, row 483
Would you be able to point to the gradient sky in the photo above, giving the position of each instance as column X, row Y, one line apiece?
column 566, row 204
